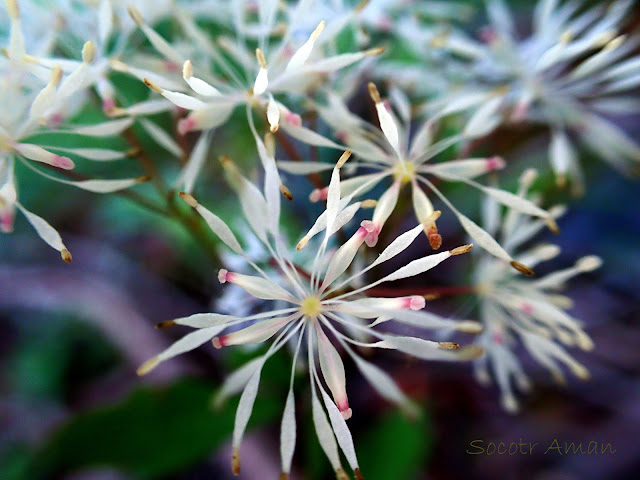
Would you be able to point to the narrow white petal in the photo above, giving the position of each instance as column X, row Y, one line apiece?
column 45, row 231
column 105, row 129
column 341, row 430
column 161, row 137
column 245, row 407
column 333, row 371
column 288, row 433
column 324, row 432
column 235, row 382
column 302, row 54
column 304, row 168
column 191, row 170
column 416, row 267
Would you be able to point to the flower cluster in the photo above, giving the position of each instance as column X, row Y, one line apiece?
column 304, row 76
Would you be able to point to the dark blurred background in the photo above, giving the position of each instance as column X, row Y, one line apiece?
column 72, row 336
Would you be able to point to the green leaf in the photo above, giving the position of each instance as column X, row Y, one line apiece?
column 395, row 447
column 151, row 433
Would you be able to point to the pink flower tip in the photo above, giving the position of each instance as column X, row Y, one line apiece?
column 293, row 119
column 223, row 275
column 416, row 302
column 6, row 222
column 527, row 308
column 319, row 194
column 186, row 125
column 63, row 162
column 373, row 231
column 346, row 414
column 108, row 105
column 495, row 163
column 217, row 344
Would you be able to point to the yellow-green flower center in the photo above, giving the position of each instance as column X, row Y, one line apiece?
column 404, row 172
column 311, row 307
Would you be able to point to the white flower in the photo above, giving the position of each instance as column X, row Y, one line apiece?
column 391, row 153
column 316, row 302
column 22, row 139
column 253, row 78
column 573, row 71
column 527, row 311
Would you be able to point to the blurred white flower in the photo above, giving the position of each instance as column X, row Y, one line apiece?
column 23, row 114
column 237, row 74
column 521, row 310
column 317, row 303
column 391, row 152
column 573, row 71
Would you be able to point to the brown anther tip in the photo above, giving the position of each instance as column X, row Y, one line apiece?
column 235, row 462
column 374, row 51
column 143, row 178
column 283, row 476
column 431, row 296
column 274, row 128
column 369, row 203
column 66, row 255
column 522, row 268
column 165, row 324
column 358, row 474
column 187, row 69
column 286, row 193
column 373, row 92
column 261, row 59
column 343, row 158
column 152, row 85
column 449, row 346
column 461, row 250
column 552, row 225
column 341, row 474
column 132, row 152
column 135, row 15
column 188, row 199
column 435, row 240
column 147, row 366
column 361, row 6
column 88, row 52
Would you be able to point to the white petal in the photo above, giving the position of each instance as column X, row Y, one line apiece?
column 262, row 82
column 417, row 267
column 429, row 350
column 235, row 382
column 161, row 137
column 302, row 54
column 191, row 170
column 220, row 228
column 288, row 433
column 332, row 371
column 45, row 231
column 343, row 257
column 341, row 430
column 324, row 432
column 258, row 287
column 105, row 129
column 245, row 407
column 304, row 168
column 259, row 332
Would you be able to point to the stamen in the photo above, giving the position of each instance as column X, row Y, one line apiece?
column 165, row 324
column 66, row 255
column 449, row 346
column 374, row 51
column 358, row 474
column 147, row 366
column 135, row 15
column 369, row 203
column 374, row 93
column 260, row 57
column 461, row 250
column 152, row 85
column 188, row 199
column 88, row 52
column 235, row 461
column 286, row 193
column 522, row 268
column 343, row 158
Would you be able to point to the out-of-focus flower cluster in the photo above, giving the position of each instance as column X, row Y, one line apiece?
column 292, row 75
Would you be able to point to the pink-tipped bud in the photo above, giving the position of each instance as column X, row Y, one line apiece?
column 319, row 194
column 6, row 221
column 223, row 275
column 495, row 163
column 416, row 302
column 218, row 342
column 345, row 411
column 497, row 337
column 186, row 125
column 373, row 231
column 526, row 308
column 108, row 105
column 63, row 162
column 293, row 119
